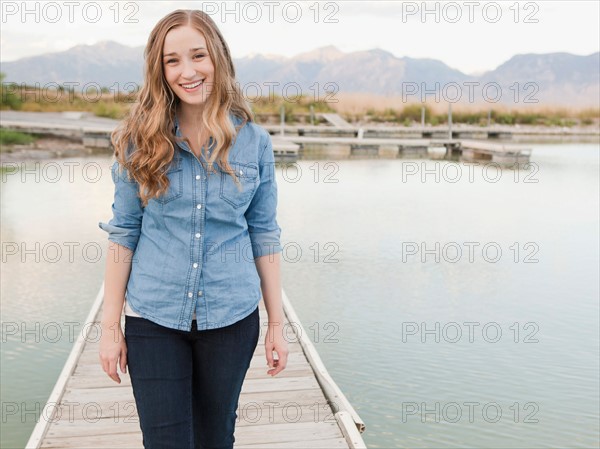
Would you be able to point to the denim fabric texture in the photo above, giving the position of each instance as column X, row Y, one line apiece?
column 187, row 384
column 194, row 247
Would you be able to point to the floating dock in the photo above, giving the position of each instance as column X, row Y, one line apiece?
column 300, row 407
column 460, row 150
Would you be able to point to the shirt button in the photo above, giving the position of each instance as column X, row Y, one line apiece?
column 190, row 294
column 198, row 235
column 241, row 172
column 195, row 265
column 200, row 293
column 197, row 176
column 198, row 206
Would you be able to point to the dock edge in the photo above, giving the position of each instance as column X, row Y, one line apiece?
column 348, row 419
column 40, row 429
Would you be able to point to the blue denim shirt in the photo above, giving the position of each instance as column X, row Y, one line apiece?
column 194, row 247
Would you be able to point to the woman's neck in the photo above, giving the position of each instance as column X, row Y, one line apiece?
column 190, row 128
column 189, row 116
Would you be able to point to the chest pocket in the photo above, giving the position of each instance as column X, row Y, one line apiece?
column 239, row 195
column 175, row 175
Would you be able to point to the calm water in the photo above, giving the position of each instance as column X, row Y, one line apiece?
column 497, row 348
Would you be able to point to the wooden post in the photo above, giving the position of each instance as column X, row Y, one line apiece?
column 450, row 121
column 423, row 117
column 312, row 115
column 282, row 114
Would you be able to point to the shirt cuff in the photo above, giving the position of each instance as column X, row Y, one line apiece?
column 121, row 236
column 265, row 243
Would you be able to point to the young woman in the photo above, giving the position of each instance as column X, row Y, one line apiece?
column 193, row 243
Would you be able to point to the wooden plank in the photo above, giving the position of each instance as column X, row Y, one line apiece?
column 250, row 415
column 282, row 384
column 349, row 429
column 97, row 380
column 336, row 120
column 120, row 411
column 300, row 397
column 489, row 147
column 82, row 428
column 290, row 432
column 111, row 440
column 300, row 444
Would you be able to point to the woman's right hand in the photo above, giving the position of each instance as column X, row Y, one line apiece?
column 113, row 350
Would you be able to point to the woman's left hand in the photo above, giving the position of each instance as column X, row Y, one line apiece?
column 275, row 341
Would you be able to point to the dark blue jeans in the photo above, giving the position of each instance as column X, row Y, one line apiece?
column 187, row 384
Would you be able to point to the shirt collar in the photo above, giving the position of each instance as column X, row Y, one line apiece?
column 176, row 126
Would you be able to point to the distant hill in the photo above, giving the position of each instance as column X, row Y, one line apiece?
column 558, row 78
column 563, row 78
column 106, row 63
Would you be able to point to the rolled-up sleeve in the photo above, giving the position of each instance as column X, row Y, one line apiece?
column 125, row 226
column 261, row 214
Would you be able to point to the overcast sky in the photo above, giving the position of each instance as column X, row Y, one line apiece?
column 469, row 36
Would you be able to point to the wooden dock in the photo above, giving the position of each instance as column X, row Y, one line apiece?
column 341, row 141
column 301, row 407
column 475, row 150
column 336, row 120
column 463, row 150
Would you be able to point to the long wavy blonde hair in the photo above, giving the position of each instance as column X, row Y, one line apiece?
column 144, row 142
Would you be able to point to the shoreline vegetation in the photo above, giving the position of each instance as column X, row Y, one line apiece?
column 360, row 110
column 18, row 146
column 356, row 108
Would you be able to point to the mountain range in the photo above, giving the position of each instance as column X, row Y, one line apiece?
column 552, row 79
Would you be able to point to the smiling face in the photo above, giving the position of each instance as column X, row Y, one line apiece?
column 188, row 67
